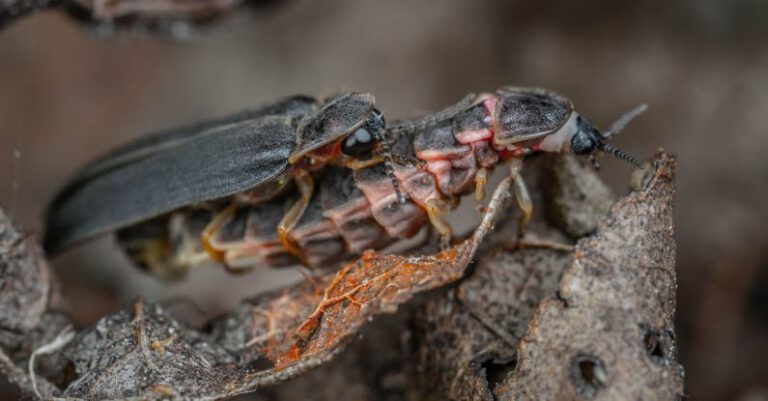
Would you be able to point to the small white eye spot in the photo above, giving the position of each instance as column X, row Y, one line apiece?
column 359, row 144
column 363, row 136
column 350, row 141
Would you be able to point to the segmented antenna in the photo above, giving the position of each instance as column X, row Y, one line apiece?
column 620, row 154
column 615, row 128
column 622, row 122
column 381, row 136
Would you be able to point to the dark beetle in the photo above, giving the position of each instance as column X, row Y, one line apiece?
column 221, row 189
column 253, row 154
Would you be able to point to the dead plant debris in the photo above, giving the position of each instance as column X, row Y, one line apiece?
column 532, row 323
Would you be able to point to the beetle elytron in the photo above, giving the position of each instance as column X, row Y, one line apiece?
column 310, row 181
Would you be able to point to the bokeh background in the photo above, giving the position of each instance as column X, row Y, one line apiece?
column 702, row 66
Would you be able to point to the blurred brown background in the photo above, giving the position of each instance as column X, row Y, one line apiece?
column 702, row 66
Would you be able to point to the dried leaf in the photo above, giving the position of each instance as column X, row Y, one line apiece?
column 610, row 335
column 141, row 352
column 543, row 324
column 525, row 323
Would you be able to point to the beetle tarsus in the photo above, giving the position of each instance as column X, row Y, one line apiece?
column 435, row 210
column 209, row 232
column 480, row 180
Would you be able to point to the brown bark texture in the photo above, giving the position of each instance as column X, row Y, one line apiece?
column 486, row 319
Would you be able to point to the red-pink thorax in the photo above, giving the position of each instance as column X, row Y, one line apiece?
column 455, row 169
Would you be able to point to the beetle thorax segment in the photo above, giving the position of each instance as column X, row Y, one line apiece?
column 522, row 116
column 560, row 140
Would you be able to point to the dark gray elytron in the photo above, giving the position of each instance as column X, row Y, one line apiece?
column 309, row 181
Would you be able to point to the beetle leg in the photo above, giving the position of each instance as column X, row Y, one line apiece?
column 436, row 208
column 306, row 187
column 206, row 236
column 481, row 178
column 522, row 197
column 524, row 202
column 355, row 164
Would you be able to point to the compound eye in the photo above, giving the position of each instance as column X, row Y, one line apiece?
column 359, row 145
column 582, row 143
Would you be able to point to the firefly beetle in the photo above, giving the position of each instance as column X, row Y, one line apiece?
column 253, row 155
column 222, row 189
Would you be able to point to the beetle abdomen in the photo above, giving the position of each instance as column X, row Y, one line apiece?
column 350, row 211
column 339, row 223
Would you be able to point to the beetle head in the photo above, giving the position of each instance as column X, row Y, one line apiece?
column 587, row 140
column 334, row 121
column 361, row 143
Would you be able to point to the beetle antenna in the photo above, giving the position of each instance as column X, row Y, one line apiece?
column 620, row 154
column 622, row 122
column 388, row 162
